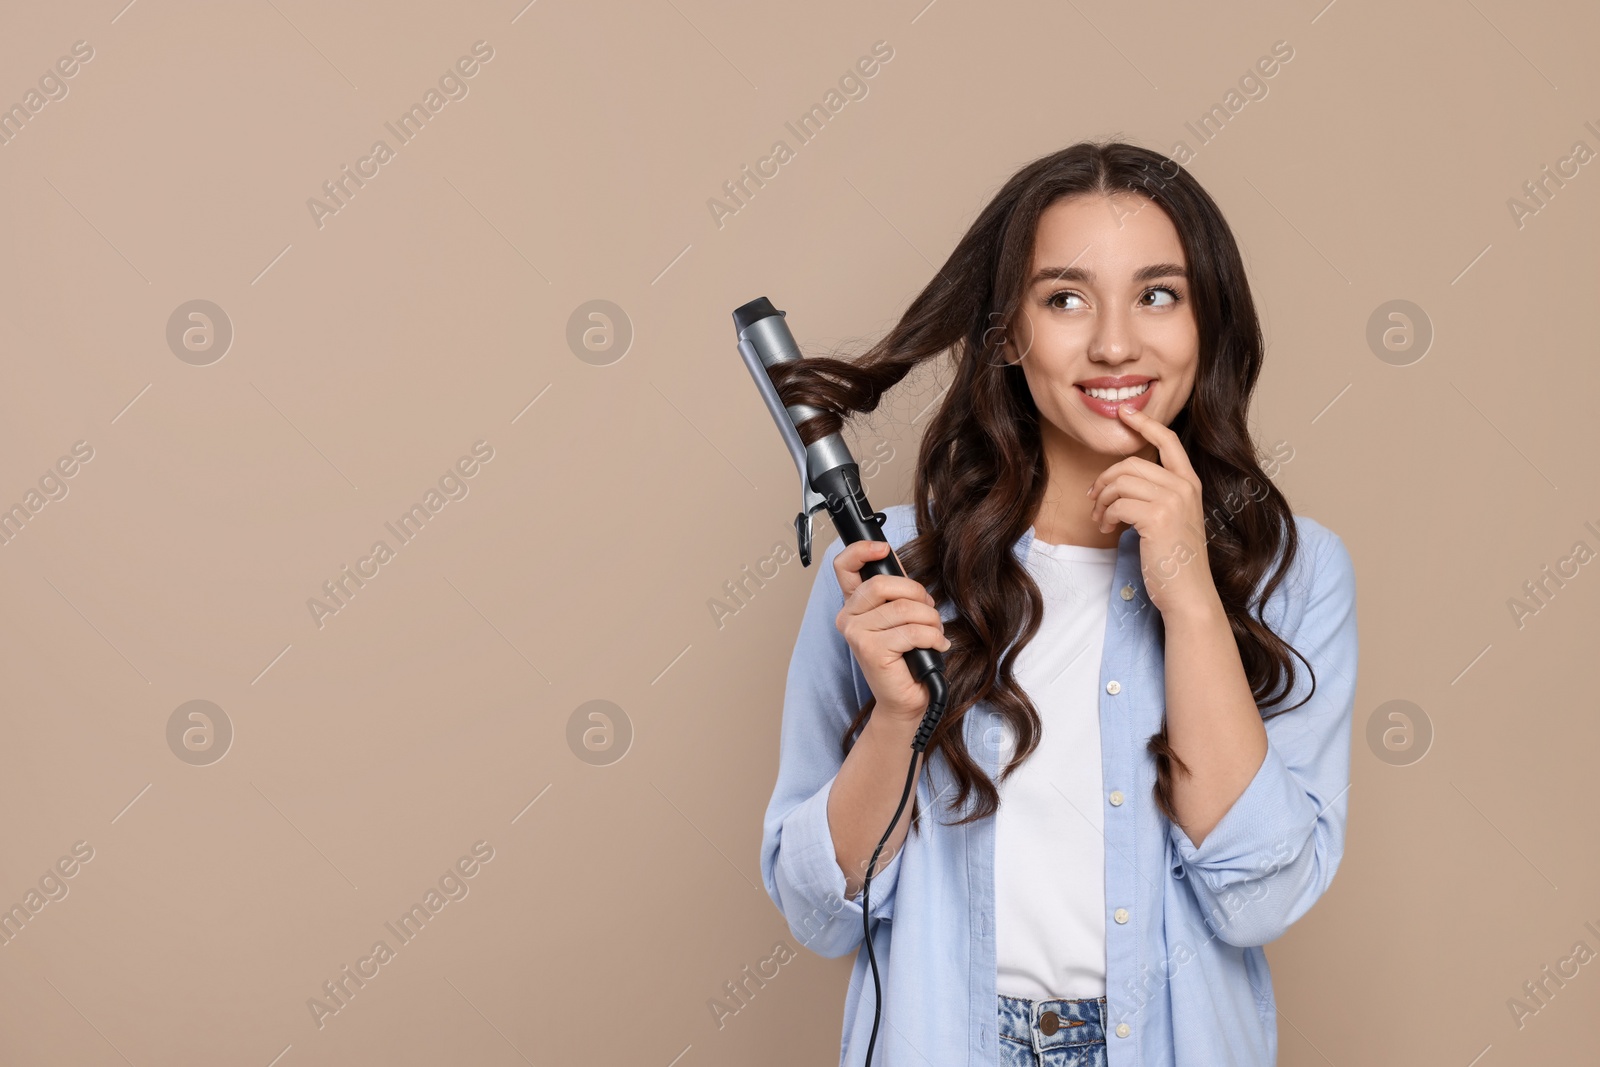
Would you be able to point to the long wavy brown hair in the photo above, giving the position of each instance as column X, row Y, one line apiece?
column 981, row 468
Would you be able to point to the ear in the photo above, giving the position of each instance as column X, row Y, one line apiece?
column 1005, row 352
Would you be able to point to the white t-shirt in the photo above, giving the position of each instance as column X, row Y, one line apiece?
column 1049, row 874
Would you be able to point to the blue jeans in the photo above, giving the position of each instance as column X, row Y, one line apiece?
column 1052, row 1033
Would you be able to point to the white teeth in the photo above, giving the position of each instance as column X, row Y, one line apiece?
column 1118, row 394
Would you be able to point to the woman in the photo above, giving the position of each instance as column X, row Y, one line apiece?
column 1146, row 786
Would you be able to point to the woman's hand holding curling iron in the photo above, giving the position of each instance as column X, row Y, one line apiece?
column 884, row 617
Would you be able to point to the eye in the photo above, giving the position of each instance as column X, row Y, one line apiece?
column 1050, row 301
column 1173, row 293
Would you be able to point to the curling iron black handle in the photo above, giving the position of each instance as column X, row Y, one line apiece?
column 855, row 520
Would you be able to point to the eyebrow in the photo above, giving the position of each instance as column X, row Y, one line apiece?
column 1079, row 274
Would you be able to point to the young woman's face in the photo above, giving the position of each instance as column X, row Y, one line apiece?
column 1106, row 319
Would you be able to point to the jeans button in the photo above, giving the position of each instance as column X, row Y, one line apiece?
column 1049, row 1023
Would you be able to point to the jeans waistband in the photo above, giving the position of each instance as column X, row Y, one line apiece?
column 1047, row 1024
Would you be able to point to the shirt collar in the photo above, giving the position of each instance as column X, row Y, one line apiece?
column 1127, row 544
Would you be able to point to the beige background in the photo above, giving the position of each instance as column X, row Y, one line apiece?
column 431, row 712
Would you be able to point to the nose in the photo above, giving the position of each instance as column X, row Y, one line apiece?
column 1114, row 340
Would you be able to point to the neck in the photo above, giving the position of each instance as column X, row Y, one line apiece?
column 1064, row 515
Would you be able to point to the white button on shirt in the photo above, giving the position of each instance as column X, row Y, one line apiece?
column 1121, row 915
column 1113, row 687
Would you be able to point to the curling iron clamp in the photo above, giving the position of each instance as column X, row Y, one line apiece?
column 830, row 478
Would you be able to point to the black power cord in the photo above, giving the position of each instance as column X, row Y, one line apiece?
column 937, row 693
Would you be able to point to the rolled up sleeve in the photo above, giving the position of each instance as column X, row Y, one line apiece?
column 1276, row 850
column 798, row 862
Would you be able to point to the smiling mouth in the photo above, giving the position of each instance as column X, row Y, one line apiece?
column 1125, row 393
column 1105, row 401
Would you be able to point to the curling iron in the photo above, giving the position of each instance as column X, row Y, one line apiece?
column 830, row 478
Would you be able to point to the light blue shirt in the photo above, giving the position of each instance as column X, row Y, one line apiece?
column 1187, row 982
